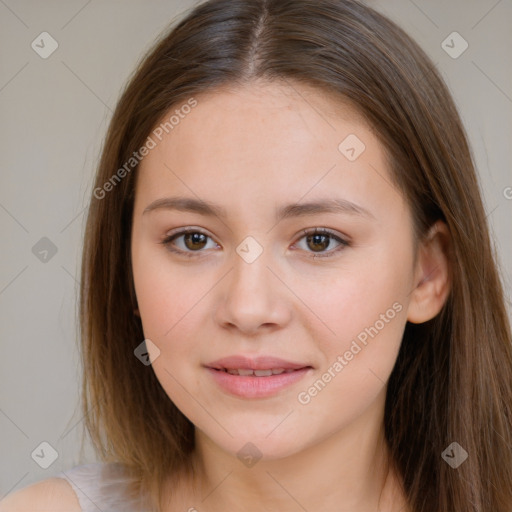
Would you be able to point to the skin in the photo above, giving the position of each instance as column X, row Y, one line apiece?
column 252, row 149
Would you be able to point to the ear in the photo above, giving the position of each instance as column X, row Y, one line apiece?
column 431, row 276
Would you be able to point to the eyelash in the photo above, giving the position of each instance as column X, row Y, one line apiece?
column 317, row 231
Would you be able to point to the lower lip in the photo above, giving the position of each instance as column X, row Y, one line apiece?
column 256, row 387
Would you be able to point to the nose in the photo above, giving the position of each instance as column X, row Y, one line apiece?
column 252, row 298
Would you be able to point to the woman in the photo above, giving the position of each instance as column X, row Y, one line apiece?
column 289, row 298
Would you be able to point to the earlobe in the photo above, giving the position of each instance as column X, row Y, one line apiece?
column 432, row 275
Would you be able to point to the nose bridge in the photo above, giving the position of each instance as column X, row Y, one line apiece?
column 250, row 273
column 251, row 297
column 250, row 265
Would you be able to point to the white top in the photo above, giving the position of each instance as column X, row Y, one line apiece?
column 101, row 487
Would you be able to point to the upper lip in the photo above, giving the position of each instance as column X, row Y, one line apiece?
column 240, row 362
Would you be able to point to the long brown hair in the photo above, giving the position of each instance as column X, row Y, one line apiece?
column 452, row 381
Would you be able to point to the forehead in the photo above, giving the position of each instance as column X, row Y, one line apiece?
column 262, row 139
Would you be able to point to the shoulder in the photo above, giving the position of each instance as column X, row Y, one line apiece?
column 49, row 495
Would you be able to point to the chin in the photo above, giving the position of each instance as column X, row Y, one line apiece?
column 249, row 445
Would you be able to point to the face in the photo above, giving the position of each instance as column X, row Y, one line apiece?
column 320, row 291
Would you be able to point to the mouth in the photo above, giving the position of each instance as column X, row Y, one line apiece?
column 242, row 363
column 259, row 377
column 246, row 372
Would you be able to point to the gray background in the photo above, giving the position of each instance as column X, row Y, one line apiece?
column 54, row 113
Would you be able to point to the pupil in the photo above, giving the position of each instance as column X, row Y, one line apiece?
column 197, row 238
column 316, row 240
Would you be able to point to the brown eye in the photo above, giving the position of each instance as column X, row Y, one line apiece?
column 194, row 241
column 319, row 240
column 188, row 242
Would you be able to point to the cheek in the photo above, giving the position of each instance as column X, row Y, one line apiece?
column 369, row 290
column 172, row 311
column 368, row 322
column 167, row 294
column 366, row 307
column 357, row 362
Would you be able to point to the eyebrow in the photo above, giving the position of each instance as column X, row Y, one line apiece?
column 207, row 208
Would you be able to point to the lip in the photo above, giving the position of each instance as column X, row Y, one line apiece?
column 252, row 386
column 257, row 363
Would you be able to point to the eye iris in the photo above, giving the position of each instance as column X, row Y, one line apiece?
column 316, row 238
column 196, row 238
